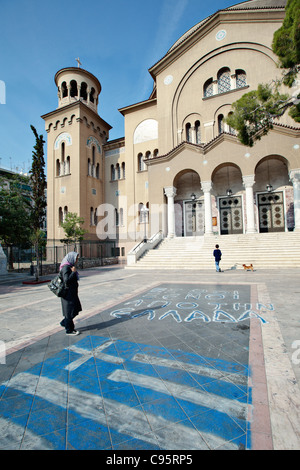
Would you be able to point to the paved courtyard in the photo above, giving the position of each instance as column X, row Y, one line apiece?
column 165, row 361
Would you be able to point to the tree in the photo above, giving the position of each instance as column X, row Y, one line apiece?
column 254, row 113
column 286, row 42
column 39, row 203
column 73, row 229
column 15, row 210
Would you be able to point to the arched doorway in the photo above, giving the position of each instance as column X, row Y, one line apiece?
column 228, row 190
column 189, row 216
column 272, row 182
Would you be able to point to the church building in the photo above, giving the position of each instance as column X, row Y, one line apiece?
column 180, row 169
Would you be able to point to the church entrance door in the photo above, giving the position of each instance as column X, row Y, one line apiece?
column 271, row 212
column 231, row 215
column 193, row 218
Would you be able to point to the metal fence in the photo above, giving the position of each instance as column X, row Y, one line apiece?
column 25, row 258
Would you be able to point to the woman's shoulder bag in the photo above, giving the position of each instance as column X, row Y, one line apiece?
column 58, row 287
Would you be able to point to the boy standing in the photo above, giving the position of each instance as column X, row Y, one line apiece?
column 217, row 254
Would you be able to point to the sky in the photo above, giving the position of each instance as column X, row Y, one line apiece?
column 117, row 41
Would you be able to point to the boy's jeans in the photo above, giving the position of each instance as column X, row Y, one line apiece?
column 217, row 265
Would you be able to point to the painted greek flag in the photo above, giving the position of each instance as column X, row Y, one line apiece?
column 102, row 393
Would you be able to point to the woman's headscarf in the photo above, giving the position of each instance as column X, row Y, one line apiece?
column 69, row 259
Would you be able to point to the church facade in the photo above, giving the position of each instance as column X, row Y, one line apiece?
column 179, row 169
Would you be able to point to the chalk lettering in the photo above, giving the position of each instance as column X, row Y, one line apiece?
column 251, row 313
column 186, row 305
column 197, row 315
column 173, row 313
column 222, row 316
column 149, row 312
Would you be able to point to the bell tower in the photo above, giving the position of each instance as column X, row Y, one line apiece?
column 75, row 157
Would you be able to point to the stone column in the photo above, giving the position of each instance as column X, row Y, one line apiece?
column 206, row 188
column 248, row 182
column 295, row 179
column 170, row 192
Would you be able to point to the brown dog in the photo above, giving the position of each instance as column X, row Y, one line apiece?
column 248, row 267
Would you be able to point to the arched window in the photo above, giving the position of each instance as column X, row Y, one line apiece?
column 95, row 217
column 208, row 89
column 62, row 157
column 188, row 132
column 83, row 91
column 64, row 90
column 121, row 217
column 155, row 153
column 60, row 216
column 67, row 166
column 123, row 170
column 97, row 170
column 92, row 97
column 116, row 218
column 240, row 78
column 112, row 173
column 89, row 167
column 198, row 132
column 65, row 212
column 220, row 123
column 224, row 80
column 57, row 167
column 118, row 171
column 91, row 216
column 73, row 90
column 231, row 130
column 93, row 162
column 141, row 164
column 148, row 154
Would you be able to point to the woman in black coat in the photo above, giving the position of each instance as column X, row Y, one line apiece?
column 71, row 305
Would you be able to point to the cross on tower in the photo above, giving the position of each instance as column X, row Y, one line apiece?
column 78, row 62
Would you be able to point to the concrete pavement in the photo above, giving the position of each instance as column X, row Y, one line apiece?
column 166, row 360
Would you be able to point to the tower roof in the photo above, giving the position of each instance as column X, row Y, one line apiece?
column 77, row 71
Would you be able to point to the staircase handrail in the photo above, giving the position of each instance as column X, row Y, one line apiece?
column 138, row 250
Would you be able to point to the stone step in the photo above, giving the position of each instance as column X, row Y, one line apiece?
column 272, row 250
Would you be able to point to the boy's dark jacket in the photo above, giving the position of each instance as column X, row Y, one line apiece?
column 217, row 254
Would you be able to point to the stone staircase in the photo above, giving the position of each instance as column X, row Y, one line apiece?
column 264, row 251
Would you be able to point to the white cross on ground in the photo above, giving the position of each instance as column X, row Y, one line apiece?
column 87, row 354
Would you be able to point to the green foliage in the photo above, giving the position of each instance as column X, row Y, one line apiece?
column 294, row 112
column 253, row 114
column 286, row 41
column 38, row 182
column 73, row 228
column 14, row 212
column 39, row 203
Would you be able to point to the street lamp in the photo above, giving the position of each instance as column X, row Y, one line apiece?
column 144, row 212
column 269, row 188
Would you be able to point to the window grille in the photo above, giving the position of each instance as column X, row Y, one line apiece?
column 240, row 78
column 208, row 89
column 224, row 81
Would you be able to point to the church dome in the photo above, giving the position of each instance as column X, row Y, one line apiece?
column 248, row 5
